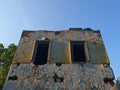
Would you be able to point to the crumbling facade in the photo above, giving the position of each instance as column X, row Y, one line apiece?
column 73, row 59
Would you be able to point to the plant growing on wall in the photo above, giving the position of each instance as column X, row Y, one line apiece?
column 118, row 83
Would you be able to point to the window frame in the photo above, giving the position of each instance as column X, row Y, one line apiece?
column 71, row 43
column 37, row 42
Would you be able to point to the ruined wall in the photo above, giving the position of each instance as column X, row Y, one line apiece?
column 60, row 44
column 59, row 73
column 56, row 77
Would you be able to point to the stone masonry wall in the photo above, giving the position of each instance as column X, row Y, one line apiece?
column 59, row 77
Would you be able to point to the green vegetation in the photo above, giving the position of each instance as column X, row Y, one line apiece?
column 118, row 83
column 6, row 56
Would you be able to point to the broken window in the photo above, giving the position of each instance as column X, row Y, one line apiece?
column 78, row 51
column 41, row 52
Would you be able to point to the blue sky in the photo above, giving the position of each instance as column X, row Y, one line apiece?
column 104, row 15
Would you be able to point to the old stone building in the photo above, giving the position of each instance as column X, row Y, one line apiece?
column 73, row 59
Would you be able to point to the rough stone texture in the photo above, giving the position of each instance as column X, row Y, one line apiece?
column 75, row 77
column 60, row 72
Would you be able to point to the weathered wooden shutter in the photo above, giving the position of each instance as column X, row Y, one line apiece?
column 58, row 52
column 97, row 53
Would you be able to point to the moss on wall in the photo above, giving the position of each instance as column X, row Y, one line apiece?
column 97, row 53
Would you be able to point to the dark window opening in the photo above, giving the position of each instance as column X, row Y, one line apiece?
column 78, row 51
column 41, row 52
